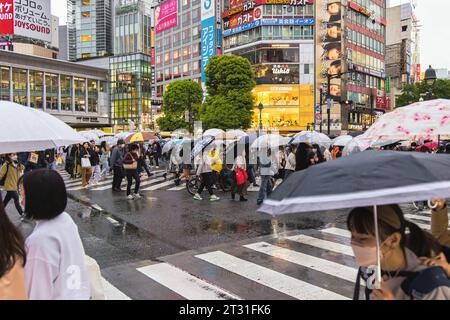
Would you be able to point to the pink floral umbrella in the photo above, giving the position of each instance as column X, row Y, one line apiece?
column 426, row 120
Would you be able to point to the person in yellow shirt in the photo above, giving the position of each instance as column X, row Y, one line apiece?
column 12, row 260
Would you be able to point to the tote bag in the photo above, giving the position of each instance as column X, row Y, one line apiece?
column 85, row 163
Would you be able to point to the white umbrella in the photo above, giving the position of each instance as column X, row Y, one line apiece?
column 235, row 134
column 355, row 146
column 312, row 137
column 216, row 133
column 342, row 141
column 90, row 135
column 25, row 129
column 122, row 135
column 270, row 141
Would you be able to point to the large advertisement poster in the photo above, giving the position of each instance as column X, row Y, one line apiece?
column 30, row 18
column 166, row 16
column 329, row 55
column 208, row 33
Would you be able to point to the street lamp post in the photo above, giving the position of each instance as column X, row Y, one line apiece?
column 430, row 79
column 260, row 108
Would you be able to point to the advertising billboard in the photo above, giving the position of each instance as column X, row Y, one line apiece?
column 208, row 33
column 166, row 16
column 329, row 55
column 243, row 18
column 237, row 6
column 27, row 18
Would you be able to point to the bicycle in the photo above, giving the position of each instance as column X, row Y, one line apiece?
column 424, row 205
column 194, row 182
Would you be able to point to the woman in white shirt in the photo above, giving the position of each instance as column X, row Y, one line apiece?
column 55, row 268
column 290, row 163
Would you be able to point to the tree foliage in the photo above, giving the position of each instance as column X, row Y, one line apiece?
column 230, row 81
column 413, row 92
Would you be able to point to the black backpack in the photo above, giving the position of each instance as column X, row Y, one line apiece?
column 3, row 180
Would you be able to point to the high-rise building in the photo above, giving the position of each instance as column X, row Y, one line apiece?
column 350, row 64
column 90, row 28
column 130, row 68
column 177, row 42
column 278, row 40
column 63, row 43
column 402, row 48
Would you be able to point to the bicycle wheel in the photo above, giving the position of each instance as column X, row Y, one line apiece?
column 193, row 185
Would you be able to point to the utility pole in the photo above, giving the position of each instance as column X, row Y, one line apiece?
column 321, row 109
column 329, row 103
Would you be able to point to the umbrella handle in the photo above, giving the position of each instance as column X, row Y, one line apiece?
column 377, row 237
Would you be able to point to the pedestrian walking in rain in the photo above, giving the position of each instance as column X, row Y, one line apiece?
column 302, row 157
column 402, row 244
column 50, row 159
column 290, row 163
column 12, row 260
column 268, row 168
column 86, row 165
column 282, row 157
column 142, row 164
column 104, row 158
column 10, row 173
column 240, row 181
column 117, row 163
column 319, row 158
column 130, row 164
column 95, row 162
column 156, row 153
column 55, row 267
column 205, row 172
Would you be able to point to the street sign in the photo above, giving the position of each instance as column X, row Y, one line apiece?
column 318, row 117
column 329, row 104
column 318, row 109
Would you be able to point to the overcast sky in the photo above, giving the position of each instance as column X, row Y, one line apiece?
column 433, row 15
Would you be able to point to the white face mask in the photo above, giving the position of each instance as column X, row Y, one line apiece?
column 366, row 256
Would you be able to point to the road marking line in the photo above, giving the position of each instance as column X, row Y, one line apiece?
column 159, row 186
column 184, row 284
column 323, row 244
column 417, row 217
column 144, row 182
column 178, row 188
column 311, row 262
column 270, row 278
column 112, row 293
column 337, row 232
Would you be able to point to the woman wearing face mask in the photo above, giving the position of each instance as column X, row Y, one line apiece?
column 404, row 275
column 10, row 173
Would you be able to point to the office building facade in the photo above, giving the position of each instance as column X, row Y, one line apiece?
column 90, row 28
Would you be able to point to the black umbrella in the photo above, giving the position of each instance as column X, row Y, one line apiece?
column 364, row 179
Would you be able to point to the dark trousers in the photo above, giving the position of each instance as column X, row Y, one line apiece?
column 155, row 160
column 207, row 181
column 132, row 174
column 251, row 174
column 117, row 178
column 142, row 165
column 13, row 195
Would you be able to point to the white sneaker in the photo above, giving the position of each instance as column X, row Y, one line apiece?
column 130, row 197
column 137, row 196
column 198, row 197
column 214, row 198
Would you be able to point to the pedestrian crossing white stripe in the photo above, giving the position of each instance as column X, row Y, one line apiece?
column 159, row 186
column 112, row 293
column 417, row 217
column 77, row 186
column 337, row 232
column 311, row 262
column 275, row 280
column 183, row 186
column 143, row 183
column 323, row 244
column 184, row 284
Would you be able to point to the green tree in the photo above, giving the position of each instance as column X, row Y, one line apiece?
column 176, row 101
column 230, row 81
column 413, row 92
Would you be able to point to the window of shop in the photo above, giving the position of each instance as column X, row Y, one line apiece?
column 4, row 84
column 92, row 96
column 36, row 89
column 66, row 93
column 80, row 94
column 20, row 86
column 51, row 91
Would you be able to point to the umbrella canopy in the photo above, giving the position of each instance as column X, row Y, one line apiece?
column 171, row 144
column 235, row 134
column 141, row 137
column 381, row 144
column 356, row 145
column 26, row 129
column 422, row 120
column 342, row 141
column 122, row 135
column 89, row 136
column 364, row 179
column 429, row 145
column 200, row 145
column 216, row 133
column 312, row 137
column 270, row 141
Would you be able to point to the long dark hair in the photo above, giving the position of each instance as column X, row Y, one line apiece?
column 391, row 220
column 319, row 153
column 12, row 244
column 301, row 157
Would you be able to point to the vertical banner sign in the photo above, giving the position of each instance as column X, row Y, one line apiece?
column 329, row 54
column 208, row 34
column 6, row 17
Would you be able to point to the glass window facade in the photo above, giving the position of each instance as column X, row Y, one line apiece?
column 80, row 94
column 66, row 93
column 4, row 83
column 20, row 86
column 51, row 89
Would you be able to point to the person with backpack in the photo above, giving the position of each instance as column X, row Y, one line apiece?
column 130, row 164
column 10, row 173
column 402, row 244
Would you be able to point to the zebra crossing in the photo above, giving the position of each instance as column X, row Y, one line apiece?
column 304, row 265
